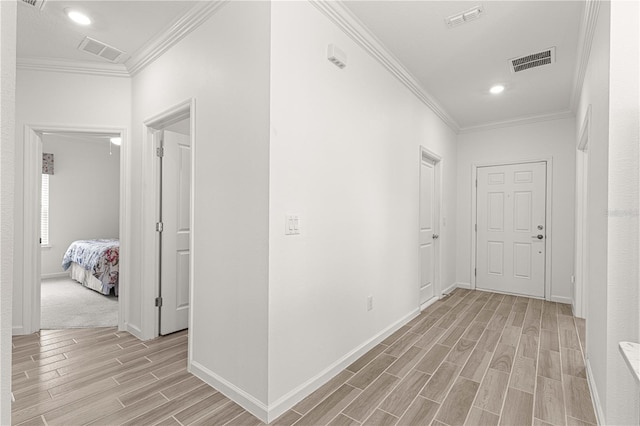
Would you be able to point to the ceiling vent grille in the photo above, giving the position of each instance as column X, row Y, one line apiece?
column 38, row 4
column 545, row 57
column 101, row 49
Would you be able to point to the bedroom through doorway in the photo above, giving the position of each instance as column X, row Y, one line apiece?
column 79, row 229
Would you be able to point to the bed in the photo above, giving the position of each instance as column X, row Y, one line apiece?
column 94, row 264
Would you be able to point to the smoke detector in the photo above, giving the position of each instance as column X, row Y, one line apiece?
column 38, row 4
column 103, row 50
column 465, row 16
column 533, row 60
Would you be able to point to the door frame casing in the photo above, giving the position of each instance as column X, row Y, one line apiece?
column 437, row 175
column 548, row 218
column 582, row 220
column 152, row 127
column 31, row 303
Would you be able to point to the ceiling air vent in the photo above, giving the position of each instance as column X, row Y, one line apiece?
column 545, row 57
column 101, row 49
column 38, row 4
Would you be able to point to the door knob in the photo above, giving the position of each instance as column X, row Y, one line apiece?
column 435, row 236
column 539, row 236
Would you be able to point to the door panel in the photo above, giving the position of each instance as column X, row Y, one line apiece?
column 511, row 213
column 428, row 222
column 175, row 259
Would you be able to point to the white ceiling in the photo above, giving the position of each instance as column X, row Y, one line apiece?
column 456, row 66
column 125, row 25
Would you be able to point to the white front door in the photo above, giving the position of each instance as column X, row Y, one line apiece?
column 511, row 228
column 175, row 213
column 428, row 229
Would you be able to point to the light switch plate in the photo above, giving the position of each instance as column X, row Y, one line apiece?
column 292, row 225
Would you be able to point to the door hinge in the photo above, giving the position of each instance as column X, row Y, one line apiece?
column 159, row 226
column 475, row 272
column 476, row 183
column 158, row 302
column 160, row 151
column 476, row 227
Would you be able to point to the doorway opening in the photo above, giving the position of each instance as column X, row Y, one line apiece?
column 429, row 233
column 512, row 228
column 81, row 155
column 170, row 153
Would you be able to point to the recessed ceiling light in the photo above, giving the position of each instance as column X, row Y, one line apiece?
column 78, row 17
column 116, row 141
column 498, row 88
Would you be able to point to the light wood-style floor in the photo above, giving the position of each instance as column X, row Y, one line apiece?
column 472, row 358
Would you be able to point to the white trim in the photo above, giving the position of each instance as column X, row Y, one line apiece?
column 150, row 326
column 595, row 397
column 549, row 210
column 562, row 299
column 31, row 252
column 587, row 30
column 270, row 412
column 463, row 285
column 74, row 67
column 172, row 34
column 54, row 275
column 344, row 19
column 237, row 395
column 133, row 330
column 581, row 285
column 449, row 289
column 437, row 176
column 518, row 121
column 430, row 302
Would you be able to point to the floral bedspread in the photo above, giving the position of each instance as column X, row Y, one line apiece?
column 100, row 257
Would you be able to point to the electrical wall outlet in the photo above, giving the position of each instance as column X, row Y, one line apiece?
column 369, row 303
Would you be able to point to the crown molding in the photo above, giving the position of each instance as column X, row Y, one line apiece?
column 74, row 67
column 519, row 121
column 587, row 30
column 357, row 31
column 172, row 34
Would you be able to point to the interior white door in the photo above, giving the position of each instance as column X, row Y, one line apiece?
column 511, row 228
column 175, row 212
column 428, row 230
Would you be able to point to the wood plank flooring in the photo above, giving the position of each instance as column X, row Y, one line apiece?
column 473, row 358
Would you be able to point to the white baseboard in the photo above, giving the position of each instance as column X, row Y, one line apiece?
column 246, row 401
column 132, row 329
column 560, row 299
column 268, row 413
column 597, row 406
column 54, row 275
column 430, row 302
column 454, row 286
column 17, row 330
column 450, row 288
column 284, row 403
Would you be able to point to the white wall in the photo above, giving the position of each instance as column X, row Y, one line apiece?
column 51, row 98
column 611, row 88
column 549, row 139
column 7, row 167
column 84, row 195
column 623, row 280
column 595, row 92
column 345, row 158
column 224, row 66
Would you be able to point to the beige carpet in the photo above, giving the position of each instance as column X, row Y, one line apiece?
column 67, row 304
